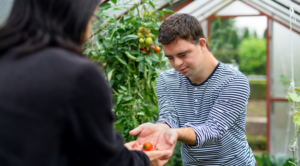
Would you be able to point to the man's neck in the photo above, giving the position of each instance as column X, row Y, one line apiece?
column 208, row 68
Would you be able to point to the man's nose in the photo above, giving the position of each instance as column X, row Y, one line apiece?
column 177, row 62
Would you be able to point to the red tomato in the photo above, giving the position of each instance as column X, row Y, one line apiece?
column 148, row 146
column 153, row 46
column 157, row 49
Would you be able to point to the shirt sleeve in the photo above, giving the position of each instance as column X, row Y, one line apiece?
column 92, row 137
column 229, row 105
column 167, row 111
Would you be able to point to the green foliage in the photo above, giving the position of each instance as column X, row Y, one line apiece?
column 278, row 160
column 130, row 70
column 224, row 40
column 257, row 142
column 295, row 99
column 252, row 56
column 258, row 90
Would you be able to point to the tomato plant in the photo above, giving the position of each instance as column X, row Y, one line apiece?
column 294, row 98
column 122, row 47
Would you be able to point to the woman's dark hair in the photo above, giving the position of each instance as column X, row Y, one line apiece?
column 35, row 24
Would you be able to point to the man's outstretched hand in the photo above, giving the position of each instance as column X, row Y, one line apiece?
column 160, row 135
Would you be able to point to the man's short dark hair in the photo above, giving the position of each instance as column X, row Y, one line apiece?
column 182, row 26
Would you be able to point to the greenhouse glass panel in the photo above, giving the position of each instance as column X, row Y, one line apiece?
column 281, row 60
column 237, row 8
column 282, row 128
column 204, row 27
column 5, row 7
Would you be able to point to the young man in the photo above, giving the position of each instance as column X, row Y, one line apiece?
column 202, row 100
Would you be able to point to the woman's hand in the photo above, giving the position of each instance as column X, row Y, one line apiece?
column 133, row 145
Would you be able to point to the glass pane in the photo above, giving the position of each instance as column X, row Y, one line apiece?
column 5, row 7
column 237, row 8
column 204, row 27
column 281, row 60
column 280, row 123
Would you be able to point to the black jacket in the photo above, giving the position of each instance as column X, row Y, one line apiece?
column 56, row 110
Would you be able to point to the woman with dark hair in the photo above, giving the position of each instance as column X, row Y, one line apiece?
column 55, row 105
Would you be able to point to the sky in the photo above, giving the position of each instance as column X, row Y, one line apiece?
column 257, row 23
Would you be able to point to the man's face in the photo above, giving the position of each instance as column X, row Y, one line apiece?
column 185, row 57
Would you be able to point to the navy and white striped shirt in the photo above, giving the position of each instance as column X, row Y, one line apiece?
column 215, row 109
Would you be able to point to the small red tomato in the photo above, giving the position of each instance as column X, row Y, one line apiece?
column 148, row 146
column 153, row 46
column 141, row 48
column 157, row 49
column 147, row 49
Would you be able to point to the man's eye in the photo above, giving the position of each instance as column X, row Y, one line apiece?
column 183, row 55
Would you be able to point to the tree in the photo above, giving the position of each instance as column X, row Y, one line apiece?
column 252, row 56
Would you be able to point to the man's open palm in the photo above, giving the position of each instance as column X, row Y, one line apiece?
column 160, row 135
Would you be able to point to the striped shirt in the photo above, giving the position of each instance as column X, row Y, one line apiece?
column 214, row 109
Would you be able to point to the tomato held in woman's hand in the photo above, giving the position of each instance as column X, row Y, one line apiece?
column 147, row 146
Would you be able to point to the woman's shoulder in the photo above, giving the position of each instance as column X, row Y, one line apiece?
column 59, row 55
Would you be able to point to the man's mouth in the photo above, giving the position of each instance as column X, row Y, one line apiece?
column 183, row 69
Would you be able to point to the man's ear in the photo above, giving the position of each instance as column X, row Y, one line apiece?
column 202, row 43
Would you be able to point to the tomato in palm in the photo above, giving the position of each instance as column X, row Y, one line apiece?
column 148, row 146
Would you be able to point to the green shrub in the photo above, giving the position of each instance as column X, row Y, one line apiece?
column 252, row 56
column 257, row 90
column 257, row 142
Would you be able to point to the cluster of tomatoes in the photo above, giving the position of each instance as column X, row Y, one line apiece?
column 148, row 147
column 145, row 39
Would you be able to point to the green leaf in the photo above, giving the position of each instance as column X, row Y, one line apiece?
column 87, row 51
column 296, row 118
column 123, row 87
column 119, row 99
column 148, row 60
column 118, row 121
column 105, row 6
column 99, row 46
column 297, row 89
column 153, row 58
column 114, row 1
column 134, row 52
column 112, row 20
column 122, row 19
column 140, row 58
column 166, row 11
column 132, row 102
column 127, row 98
column 289, row 99
column 161, row 14
column 130, row 37
column 119, row 76
column 295, row 97
column 140, row 113
column 110, row 74
column 153, row 6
